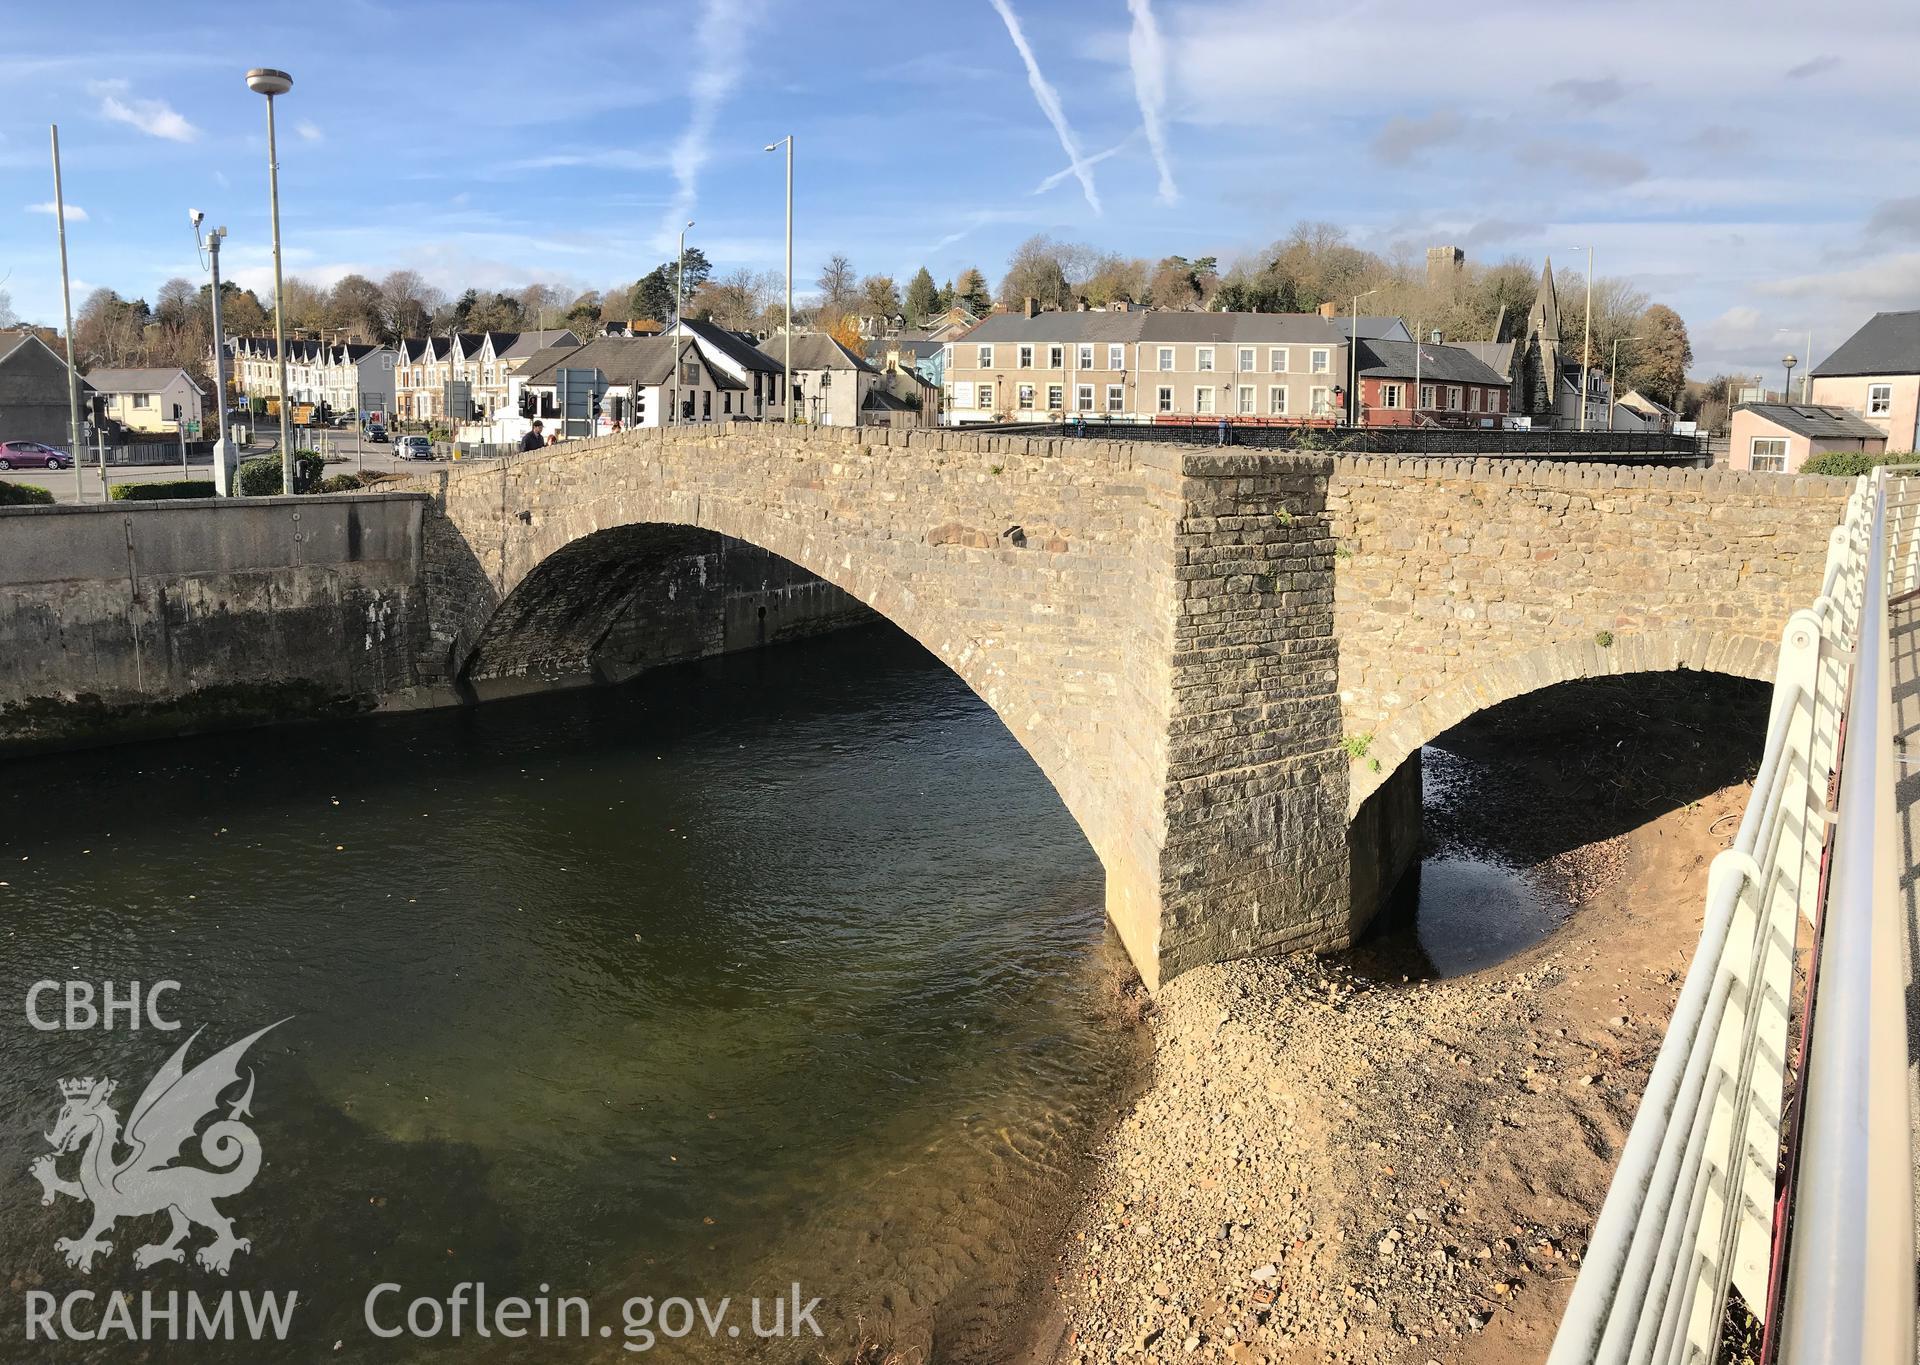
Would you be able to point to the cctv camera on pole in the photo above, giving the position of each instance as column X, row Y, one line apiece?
column 224, row 460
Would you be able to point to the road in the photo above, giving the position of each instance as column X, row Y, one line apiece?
column 347, row 453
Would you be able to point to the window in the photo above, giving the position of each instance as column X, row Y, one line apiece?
column 1204, row 358
column 1116, row 357
column 1116, row 398
column 1320, row 360
column 1768, row 453
column 1166, row 357
column 983, row 397
column 1083, row 397
column 1245, row 358
column 1390, row 395
column 1453, row 398
column 1026, row 357
column 946, row 356
column 1083, row 357
column 1428, row 395
column 1026, row 397
column 1056, row 357
column 1163, row 398
column 1277, row 359
column 1246, row 407
column 986, row 357
column 1320, row 402
column 1203, row 401
column 143, row 400
column 1277, row 400
column 1879, row 400
column 1473, row 400
column 1493, row 400
column 1056, row 398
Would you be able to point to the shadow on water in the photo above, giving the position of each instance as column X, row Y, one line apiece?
column 782, row 966
column 1510, row 793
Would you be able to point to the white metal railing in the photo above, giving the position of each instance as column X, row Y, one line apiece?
column 1692, row 1211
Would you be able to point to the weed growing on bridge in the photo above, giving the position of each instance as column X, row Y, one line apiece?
column 996, row 469
column 1343, row 552
column 1604, row 639
column 1357, row 746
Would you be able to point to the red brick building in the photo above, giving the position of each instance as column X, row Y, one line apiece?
column 1407, row 383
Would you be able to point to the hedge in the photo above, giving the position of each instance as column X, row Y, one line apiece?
column 23, row 495
column 163, row 490
column 1851, row 464
column 260, row 476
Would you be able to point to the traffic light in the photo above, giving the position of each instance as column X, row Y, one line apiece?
column 526, row 403
column 596, row 407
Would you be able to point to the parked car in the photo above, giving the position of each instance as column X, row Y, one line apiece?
column 413, row 448
column 375, row 433
column 32, row 455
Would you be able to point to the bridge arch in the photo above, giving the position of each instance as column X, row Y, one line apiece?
column 1460, row 696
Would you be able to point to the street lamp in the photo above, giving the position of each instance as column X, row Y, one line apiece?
column 679, row 293
column 211, row 251
column 1353, row 361
column 786, row 377
column 1613, row 378
column 264, row 80
column 1806, row 379
column 1586, row 345
column 1789, row 360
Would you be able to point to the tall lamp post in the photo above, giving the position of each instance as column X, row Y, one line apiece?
column 679, row 305
column 1806, row 377
column 264, row 80
column 1789, row 360
column 1353, row 362
column 215, row 236
column 1613, row 378
column 786, row 375
column 1586, row 343
column 75, row 450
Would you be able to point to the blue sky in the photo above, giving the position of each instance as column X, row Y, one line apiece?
column 1747, row 164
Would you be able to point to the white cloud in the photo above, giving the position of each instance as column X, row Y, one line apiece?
column 1147, row 55
column 1049, row 101
column 309, row 131
column 156, row 118
column 719, row 43
column 75, row 214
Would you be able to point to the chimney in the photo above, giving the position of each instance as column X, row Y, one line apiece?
column 1436, row 338
column 1327, row 310
column 1031, row 306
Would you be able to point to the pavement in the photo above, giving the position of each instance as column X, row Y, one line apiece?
column 1903, row 633
column 347, row 453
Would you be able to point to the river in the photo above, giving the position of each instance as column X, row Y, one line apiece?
column 785, row 967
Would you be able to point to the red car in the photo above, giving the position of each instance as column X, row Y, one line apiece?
column 32, row 455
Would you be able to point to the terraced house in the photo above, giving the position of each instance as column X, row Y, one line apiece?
column 1139, row 366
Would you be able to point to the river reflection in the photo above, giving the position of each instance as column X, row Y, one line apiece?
column 785, row 966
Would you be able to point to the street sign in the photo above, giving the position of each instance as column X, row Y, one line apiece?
column 459, row 397
column 578, row 392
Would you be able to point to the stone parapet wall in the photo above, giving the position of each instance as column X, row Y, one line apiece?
column 1462, row 583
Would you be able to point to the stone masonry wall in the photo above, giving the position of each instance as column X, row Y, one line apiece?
column 1463, row 583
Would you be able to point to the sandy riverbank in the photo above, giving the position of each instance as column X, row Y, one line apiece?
column 1332, row 1163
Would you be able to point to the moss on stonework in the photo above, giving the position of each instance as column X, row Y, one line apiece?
column 90, row 719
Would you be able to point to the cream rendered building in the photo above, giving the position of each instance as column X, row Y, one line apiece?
column 1141, row 366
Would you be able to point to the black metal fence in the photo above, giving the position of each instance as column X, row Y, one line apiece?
column 161, row 450
column 1587, row 447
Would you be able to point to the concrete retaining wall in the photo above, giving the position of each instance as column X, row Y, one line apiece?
column 126, row 620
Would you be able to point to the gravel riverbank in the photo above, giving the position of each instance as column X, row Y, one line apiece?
column 1338, row 1161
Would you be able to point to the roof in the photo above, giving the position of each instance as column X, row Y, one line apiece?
column 1804, row 419
column 815, row 351
column 645, row 362
column 1224, row 329
column 1441, row 364
column 1633, row 398
column 1495, row 354
column 1888, row 344
column 736, row 346
column 12, row 342
column 136, row 381
column 879, row 400
column 530, row 343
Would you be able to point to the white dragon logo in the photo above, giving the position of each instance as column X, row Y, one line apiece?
column 145, row 1182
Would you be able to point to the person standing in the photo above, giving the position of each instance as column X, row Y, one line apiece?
column 533, row 440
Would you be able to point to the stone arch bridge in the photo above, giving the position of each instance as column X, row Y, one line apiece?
column 1220, row 659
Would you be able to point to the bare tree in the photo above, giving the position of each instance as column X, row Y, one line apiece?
column 837, row 287
column 7, row 316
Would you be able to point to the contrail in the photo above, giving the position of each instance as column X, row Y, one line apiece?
column 720, row 43
column 1049, row 101
column 1093, row 160
column 1147, row 54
